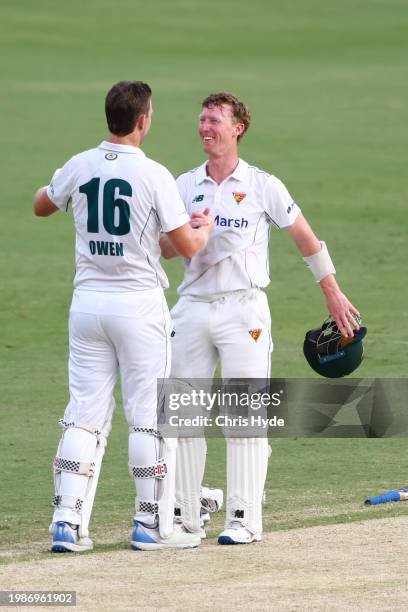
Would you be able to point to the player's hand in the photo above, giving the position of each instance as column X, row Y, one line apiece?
column 341, row 309
column 201, row 219
column 344, row 313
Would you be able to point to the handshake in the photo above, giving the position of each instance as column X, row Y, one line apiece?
column 201, row 219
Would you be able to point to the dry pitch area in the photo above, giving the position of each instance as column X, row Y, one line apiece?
column 357, row 566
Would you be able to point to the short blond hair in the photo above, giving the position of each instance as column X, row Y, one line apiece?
column 239, row 111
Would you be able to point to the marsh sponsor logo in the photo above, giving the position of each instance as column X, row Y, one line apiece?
column 229, row 222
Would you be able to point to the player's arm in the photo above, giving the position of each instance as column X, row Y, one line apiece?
column 167, row 245
column 188, row 239
column 43, row 207
column 167, row 249
column 316, row 256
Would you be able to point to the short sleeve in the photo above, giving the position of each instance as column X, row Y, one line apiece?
column 60, row 188
column 279, row 204
column 169, row 205
column 182, row 187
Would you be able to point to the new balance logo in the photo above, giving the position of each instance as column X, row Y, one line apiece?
column 223, row 222
column 198, row 198
column 239, row 514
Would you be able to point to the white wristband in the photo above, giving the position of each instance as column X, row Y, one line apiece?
column 320, row 264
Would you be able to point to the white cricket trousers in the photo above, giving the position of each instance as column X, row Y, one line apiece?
column 236, row 327
column 107, row 331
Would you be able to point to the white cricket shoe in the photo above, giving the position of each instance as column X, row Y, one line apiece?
column 147, row 537
column 66, row 538
column 236, row 533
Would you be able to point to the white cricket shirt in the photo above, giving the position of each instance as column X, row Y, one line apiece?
column 244, row 206
column 120, row 200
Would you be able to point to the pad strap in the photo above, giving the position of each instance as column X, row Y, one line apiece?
column 152, row 507
column 67, row 501
column 86, row 468
column 147, row 430
column 157, row 470
column 67, row 424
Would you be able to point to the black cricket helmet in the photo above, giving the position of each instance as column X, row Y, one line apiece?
column 330, row 354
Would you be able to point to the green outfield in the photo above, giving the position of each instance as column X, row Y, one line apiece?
column 326, row 83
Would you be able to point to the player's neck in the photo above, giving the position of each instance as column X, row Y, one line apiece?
column 133, row 139
column 218, row 168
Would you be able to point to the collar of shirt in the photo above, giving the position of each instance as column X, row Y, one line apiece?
column 239, row 174
column 120, row 148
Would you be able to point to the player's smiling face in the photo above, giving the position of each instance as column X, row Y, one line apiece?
column 218, row 131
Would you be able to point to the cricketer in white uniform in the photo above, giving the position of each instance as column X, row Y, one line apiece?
column 223, row 312
column 121, row 200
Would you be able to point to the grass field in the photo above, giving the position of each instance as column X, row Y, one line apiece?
column 326, row 83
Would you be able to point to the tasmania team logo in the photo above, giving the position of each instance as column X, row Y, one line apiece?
column 255, row 333
column 238, row 197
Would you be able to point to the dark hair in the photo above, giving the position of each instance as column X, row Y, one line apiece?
column 239, row 111
column 124, row 104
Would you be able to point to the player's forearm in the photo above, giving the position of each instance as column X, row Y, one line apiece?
column 167, row 249
column 329, row 285
column 195, row 240
column 199, row 239
column 188, row 241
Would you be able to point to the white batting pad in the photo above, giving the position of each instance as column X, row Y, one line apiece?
column 166, row 487
column 191, row 455
column 247, row 462
column 76, row 472
column 152, row 463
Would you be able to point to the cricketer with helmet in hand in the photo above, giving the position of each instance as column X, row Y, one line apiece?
column 121, row 201
column 222, row 310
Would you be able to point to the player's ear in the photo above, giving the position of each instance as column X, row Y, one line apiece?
column 239, row 129
column 141, row 122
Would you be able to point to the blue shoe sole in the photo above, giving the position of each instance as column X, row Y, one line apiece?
column 59, row 548
column 227, row 540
